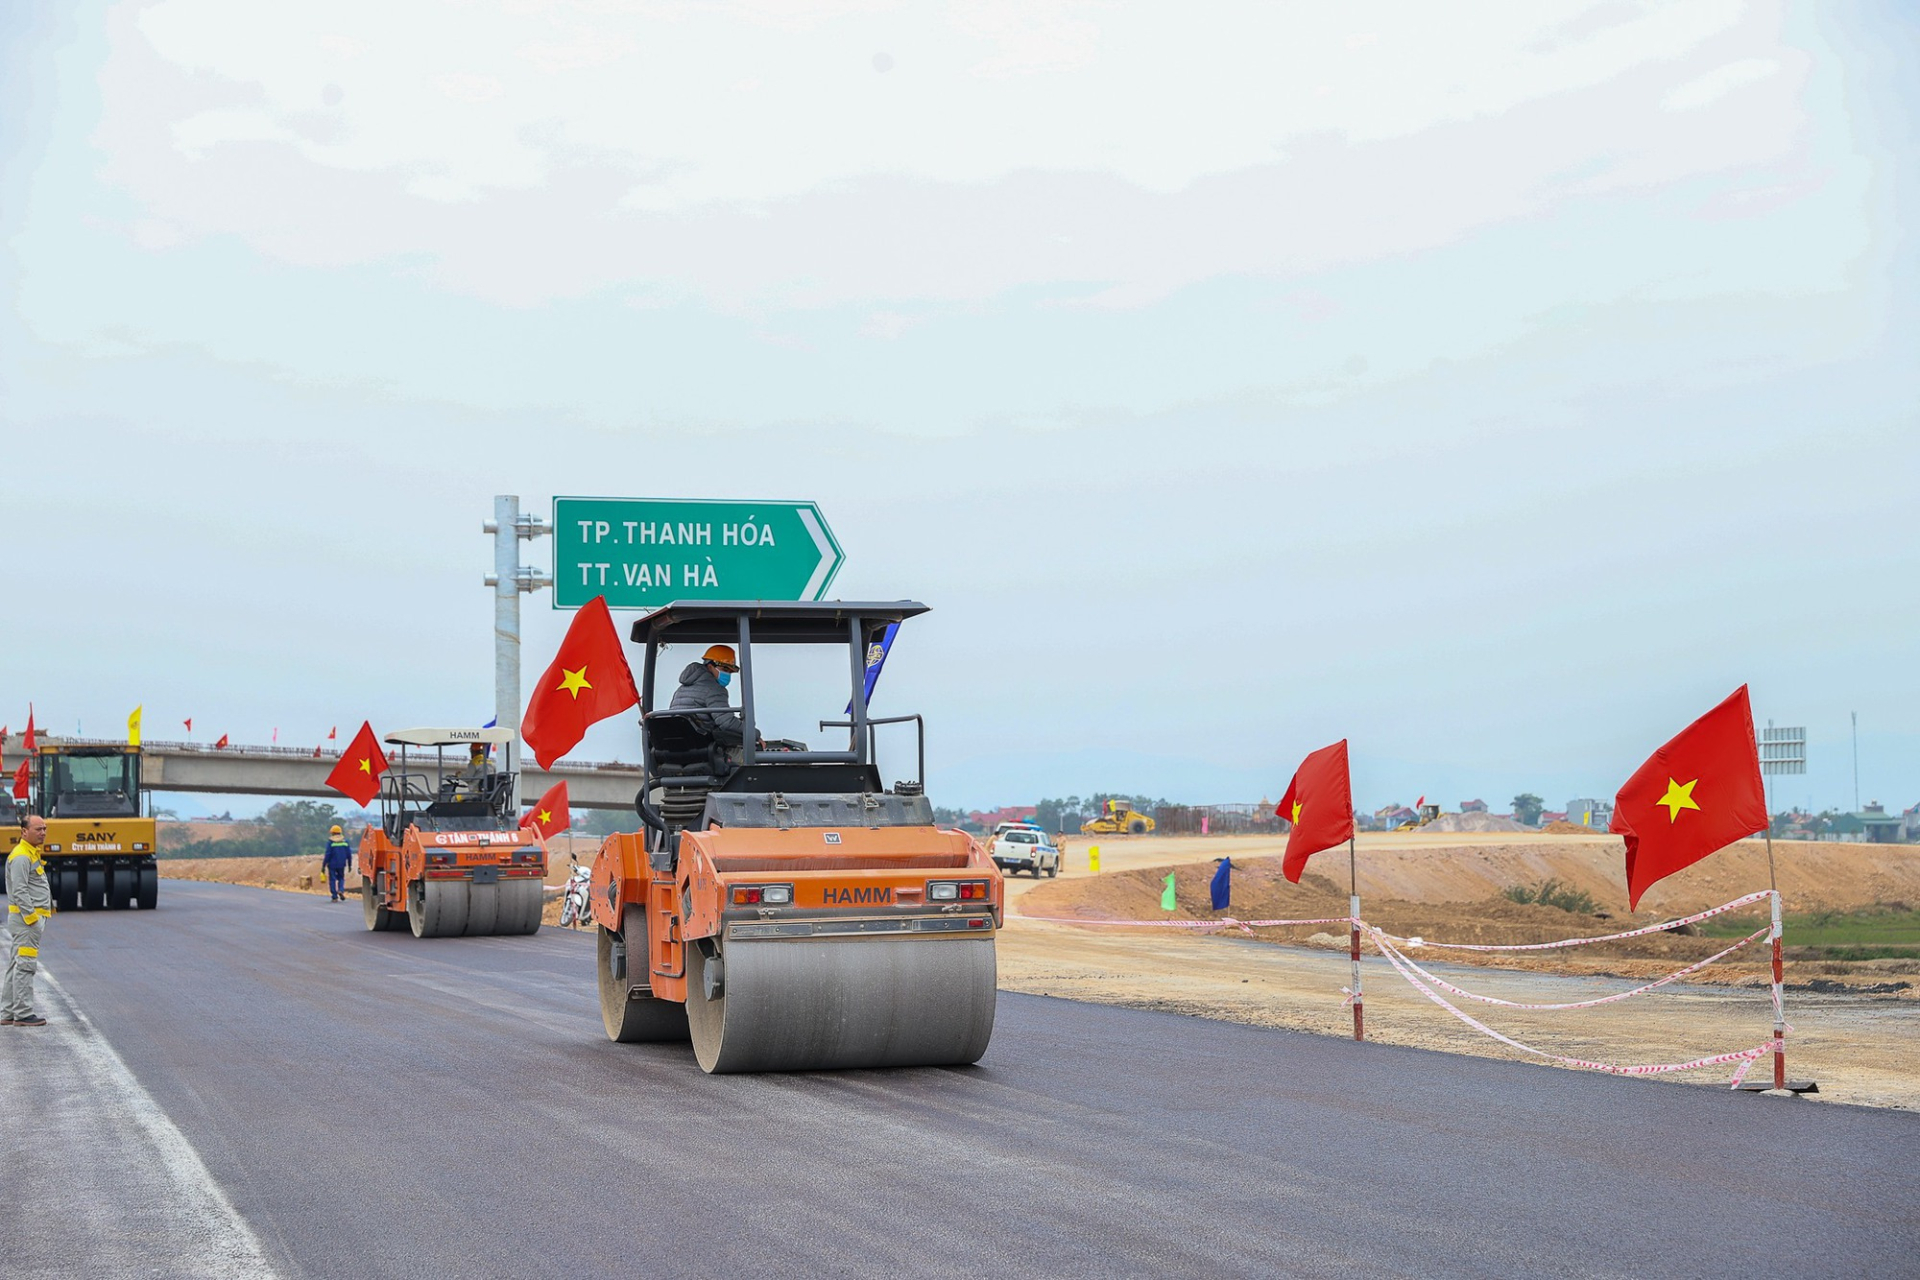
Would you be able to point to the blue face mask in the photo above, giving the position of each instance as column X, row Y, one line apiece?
column 725, row 678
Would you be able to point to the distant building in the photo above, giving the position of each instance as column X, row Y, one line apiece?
column 1881, row 827
column 1548, row 815
column 1597, row 814
column 1910, row 824
column 1473, row 806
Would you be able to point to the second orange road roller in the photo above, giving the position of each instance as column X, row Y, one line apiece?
column 782, row 908
column 449, row 857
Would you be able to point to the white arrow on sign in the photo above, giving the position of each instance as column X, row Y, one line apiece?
column 828, row 556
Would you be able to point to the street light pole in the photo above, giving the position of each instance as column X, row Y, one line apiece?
column 509, row 580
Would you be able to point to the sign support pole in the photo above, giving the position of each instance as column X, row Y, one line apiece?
column 508, row 579
column 1353, row 927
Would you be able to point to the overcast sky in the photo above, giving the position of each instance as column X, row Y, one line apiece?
column 1496, row 386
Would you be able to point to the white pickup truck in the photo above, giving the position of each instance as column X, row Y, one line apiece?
column 1017, row 849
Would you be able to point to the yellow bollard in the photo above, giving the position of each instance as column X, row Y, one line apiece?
column 1093, row 858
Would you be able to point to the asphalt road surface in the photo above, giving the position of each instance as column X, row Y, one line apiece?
column 245, row 1082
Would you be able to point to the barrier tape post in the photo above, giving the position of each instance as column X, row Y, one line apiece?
column 1353, row 933
column 1779, row 1009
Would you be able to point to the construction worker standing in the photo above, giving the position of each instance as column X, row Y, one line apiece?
column 29, row 903
column 335, row 859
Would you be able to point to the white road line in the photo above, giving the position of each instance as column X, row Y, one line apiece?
column 206, row 1235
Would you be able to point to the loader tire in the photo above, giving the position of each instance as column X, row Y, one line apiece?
column 93, row 889
column 146, row 888
column 1137, row 827
column 66, row 888
column 119, row 888
column 629, row 1019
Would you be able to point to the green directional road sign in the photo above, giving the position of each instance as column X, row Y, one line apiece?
column 641, row 553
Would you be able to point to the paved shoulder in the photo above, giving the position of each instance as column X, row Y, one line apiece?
column 99, row 1180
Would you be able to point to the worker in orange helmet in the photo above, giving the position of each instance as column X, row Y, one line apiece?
column 704, row 684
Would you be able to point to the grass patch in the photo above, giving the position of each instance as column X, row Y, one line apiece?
column 1890, row 931
column 1551, row 893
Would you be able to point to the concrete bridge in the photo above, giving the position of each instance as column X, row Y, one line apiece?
column 296, row 771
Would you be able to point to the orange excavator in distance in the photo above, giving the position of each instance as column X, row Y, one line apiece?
column 449, row 857
column 782, row 908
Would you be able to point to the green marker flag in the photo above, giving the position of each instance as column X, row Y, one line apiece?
column 1166, row 897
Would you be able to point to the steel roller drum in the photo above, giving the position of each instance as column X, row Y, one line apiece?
column 824, row 1003
column 455, row 908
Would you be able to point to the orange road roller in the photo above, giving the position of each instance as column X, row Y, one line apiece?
column 782, row 908
column 449, row 858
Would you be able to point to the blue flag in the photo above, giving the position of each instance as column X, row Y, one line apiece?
column 1222, row 886
column 876, row 659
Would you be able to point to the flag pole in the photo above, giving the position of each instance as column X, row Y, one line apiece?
column 1779, row 1009
column 1353, row 928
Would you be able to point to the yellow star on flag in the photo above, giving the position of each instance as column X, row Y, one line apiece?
column 574, row 681
column 543, row 818
column 1679, row 796
column 1296, row 813
column 366, row 766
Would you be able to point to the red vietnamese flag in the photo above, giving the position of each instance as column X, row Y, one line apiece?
column 27, row 741
column 551, row 815
column 20, row 782
column 1700, row 792
column 588, row 681
column 333, row 733
column 357, row 776
column 222, row 744
column 1319, row 804
column 189, row 723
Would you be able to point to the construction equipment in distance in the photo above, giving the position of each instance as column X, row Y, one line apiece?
column 100, row 847
column 449, row 857
column 1117, row 817
column 781, row 908
column 1422, row 816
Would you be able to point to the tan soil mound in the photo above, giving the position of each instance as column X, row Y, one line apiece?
column 1261, row 892
column 1561, row 827
column 1474, row 822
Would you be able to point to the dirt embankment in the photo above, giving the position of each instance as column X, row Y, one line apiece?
column 1454, row 894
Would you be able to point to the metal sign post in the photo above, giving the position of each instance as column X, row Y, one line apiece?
column 509, row 579
column 641, row 553
column 1781, row 751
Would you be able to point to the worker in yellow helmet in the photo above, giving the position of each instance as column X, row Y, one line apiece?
column 29, row 903
column 335, row 859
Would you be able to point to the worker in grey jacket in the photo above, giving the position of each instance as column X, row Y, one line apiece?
column 29, row 903
column 704, row 684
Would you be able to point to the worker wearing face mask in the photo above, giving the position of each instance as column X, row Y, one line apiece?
column 704, row 684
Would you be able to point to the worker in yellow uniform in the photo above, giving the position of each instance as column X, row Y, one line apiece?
column 29, row 903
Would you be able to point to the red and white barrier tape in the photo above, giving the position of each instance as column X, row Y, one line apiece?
column 1582, row 942
column 1225, row 922
column 1575, row 1004
column 1746, row 1057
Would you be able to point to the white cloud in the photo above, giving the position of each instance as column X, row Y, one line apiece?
column 751, row 156
column 1719, row 82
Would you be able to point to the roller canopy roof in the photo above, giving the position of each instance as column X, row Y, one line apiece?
column 772, row 621
column 447, row 737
